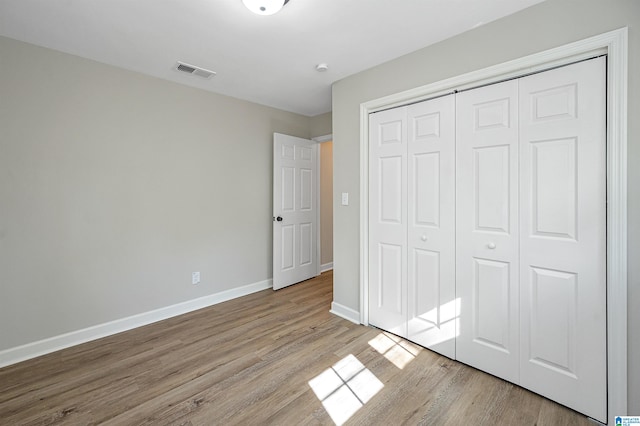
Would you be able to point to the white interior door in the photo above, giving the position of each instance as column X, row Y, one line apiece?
column 295, row 210
column 563, row 235
column 388, row 220
column 487, row 228
column 431, row 224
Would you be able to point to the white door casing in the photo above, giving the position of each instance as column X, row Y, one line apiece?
column 295, row 210
column 615, row 45
column 487, row 228
column 563, row 235
column 388, row 221
column 432, row 304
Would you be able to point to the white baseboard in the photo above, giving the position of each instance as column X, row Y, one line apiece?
column 52, row 344
column 326, row 267
column 344, row 312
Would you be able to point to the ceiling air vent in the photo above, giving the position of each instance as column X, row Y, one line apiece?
column 193, row 70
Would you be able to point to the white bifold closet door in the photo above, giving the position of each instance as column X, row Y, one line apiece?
column 563, row 236
column 516, row 284
column 412, row 223
column 531, row 233
column 487, row 229
column 388, row 221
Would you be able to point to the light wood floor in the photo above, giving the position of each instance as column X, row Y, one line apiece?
column 250, row 361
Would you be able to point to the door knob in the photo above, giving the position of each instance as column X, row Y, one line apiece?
column 423, row 238
column 491, row 245
column 279, row 218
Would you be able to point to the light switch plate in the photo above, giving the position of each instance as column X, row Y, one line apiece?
column 345, row 198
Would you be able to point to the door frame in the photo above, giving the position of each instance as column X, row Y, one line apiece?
column 614, row 44
column 320, row 140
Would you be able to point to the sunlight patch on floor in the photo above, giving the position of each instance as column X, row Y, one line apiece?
column 344, row 388
column 395, row 349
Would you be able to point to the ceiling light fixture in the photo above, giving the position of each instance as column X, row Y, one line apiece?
column 264, row 7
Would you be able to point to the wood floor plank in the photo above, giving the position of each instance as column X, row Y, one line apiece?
column 252, row 361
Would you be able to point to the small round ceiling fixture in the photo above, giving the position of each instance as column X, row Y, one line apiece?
column 322, row 67
column 264, row 7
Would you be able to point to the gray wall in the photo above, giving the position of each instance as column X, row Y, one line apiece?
column 115, row 186
column 320, row 125
column 546, row 25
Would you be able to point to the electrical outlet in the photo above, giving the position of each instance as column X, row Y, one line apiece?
column 345, row 198
column 195, row 277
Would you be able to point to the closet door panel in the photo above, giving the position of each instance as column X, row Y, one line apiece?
column 431, row 224
column 388, row 220
column 563, row 235
column 487, row 228
column 491, row 280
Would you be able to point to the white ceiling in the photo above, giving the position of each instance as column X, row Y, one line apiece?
column 265, row 59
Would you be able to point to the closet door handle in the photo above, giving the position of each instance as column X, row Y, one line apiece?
column 424, row 237
column 491, row 245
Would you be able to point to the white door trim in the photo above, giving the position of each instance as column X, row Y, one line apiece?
column 319, row 140
column 614, row 44
column 323, row 138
